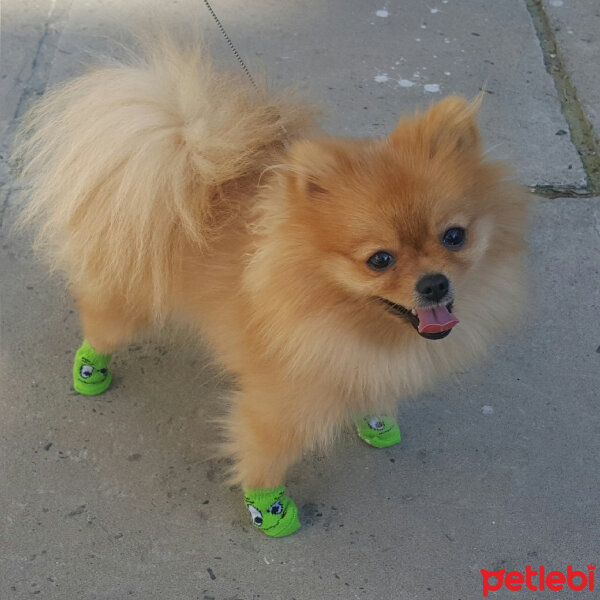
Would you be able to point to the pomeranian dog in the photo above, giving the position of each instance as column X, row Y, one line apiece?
column 331, row 276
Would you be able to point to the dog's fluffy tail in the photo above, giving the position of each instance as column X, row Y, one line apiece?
column 127, row 162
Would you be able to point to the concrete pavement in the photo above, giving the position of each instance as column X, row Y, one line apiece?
column 118, row 497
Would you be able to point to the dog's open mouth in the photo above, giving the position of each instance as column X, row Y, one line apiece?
column 433, row 323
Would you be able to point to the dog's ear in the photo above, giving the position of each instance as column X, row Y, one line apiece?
column 312, row 164
column 448, row 127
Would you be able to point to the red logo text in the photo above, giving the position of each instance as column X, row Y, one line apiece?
column 540, row 580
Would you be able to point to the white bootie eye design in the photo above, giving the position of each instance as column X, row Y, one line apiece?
column 86, row 371
column 376, row 424
column 257, row 518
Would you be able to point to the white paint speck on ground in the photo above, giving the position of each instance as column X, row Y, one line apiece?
column 556, row 3
column 447, row 73
column 382, row 13
column 406, row 83
column 382, row 78
column 433, row 11
column 432, row 88
column 487, row 410
column 417, row 39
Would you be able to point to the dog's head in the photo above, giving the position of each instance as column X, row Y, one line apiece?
column 417, row 225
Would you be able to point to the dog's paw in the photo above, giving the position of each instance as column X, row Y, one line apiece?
column 274, row 513
column 91, row 375
column 380, row 432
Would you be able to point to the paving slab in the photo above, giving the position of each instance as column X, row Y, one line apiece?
column 368, row 62
column 576, row 26
column 118, row 496
column 413, row 55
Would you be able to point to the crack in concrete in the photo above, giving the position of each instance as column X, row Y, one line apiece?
column 29, row 88
column 581, row 130
column 33, row 85
column 558, row 191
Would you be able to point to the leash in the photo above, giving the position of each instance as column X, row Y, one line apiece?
column 233, row 48
column 286, row 141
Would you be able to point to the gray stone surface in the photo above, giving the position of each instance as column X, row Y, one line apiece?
column 118, row 497
column 117, row 494
column 576, row 25
column 338, row 52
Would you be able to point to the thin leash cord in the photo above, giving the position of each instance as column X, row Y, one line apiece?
column 286, row 142
column 233, row 48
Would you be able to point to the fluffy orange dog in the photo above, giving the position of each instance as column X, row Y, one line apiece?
column 327, row 274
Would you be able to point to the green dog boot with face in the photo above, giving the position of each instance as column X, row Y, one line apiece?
column 272, row 511
column 380, row 432
column 90, row 371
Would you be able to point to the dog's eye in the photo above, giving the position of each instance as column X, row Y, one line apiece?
column 454, row 238
column 380, row 261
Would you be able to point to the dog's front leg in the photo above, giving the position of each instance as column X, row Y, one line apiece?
column 265, row 436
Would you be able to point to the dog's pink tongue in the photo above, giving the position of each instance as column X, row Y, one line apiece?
column 434, row 320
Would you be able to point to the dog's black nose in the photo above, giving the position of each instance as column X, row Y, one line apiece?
column 433, row 287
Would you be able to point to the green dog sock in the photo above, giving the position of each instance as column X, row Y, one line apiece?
column 272, row 511
column 380, row 432
column 90, row 371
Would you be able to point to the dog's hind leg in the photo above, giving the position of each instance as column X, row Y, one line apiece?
column 105, row 327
